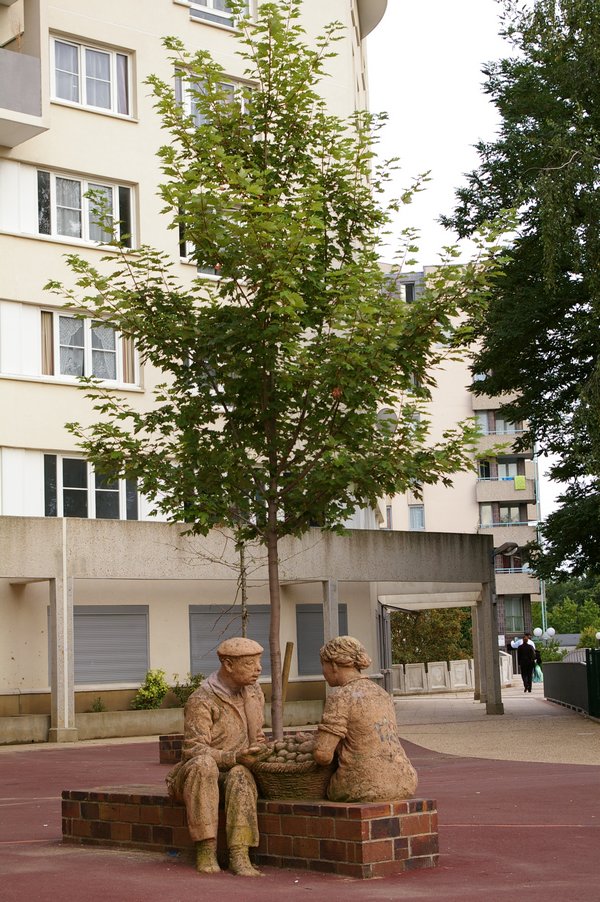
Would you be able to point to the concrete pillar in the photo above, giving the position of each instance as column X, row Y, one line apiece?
column 476, row 638
column 489, row 618
column 331, row 621
column 62, row 663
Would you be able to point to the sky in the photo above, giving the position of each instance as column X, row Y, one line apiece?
column 425, row 64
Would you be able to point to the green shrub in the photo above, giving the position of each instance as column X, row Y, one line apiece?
column 182, row 691
column 152, row 691
column 98, row 706
column 587, row 638
column 551, row 651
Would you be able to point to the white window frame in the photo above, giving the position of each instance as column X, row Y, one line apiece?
column 184, row 90
column 90, row 490
column 85, row 185
column 88, row 325
column 82, row 74
column 208, row 13
column 413, row 508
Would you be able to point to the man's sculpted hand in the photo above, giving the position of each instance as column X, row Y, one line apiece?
column 250, row 756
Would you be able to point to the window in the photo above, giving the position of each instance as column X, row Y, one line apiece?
column 513, row 614
column 481, row 417
column 75, row 347
column 65, row 210
column 504, row 426
column 509, row 513
column 73, row 489
column 507, row 469
column 187, row 90
column 484, row 469
column 416, row 516
column 388, row 517
column 216, row 11
column 486, row 515
column 409, row 291
column 91, row 77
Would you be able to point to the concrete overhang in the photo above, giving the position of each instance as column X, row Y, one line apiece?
column 370, row 14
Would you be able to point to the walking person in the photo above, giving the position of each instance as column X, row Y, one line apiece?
column 526, row 659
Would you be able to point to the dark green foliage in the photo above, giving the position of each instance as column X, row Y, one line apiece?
column 540, row 333
column 182, row 691
column 436, row 635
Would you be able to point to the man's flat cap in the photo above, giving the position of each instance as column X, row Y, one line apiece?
column 238, row 647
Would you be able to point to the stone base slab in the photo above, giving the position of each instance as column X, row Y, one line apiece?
column 354, row 840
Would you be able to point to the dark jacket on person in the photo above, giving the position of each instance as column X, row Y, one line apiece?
column 526, row 656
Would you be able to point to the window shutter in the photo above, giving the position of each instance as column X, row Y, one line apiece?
column 310, row 636
column 50, row 493
column 212, row 624
column 124, row 215
column 111, row 643
column 128, row 359
column 47, row 343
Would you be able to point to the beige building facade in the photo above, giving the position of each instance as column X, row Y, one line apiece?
column 498, row 498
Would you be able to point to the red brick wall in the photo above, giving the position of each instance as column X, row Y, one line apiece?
column 355, row 840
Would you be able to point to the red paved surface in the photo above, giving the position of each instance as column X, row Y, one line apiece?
column 507, row 830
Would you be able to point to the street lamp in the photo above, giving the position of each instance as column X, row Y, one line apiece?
column 545, row 635
column 598, row 639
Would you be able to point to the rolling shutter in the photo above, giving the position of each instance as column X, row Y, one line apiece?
column 310, row 638
column 111, row 643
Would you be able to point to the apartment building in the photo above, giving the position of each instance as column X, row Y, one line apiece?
column 76, row 114
column 498, row 498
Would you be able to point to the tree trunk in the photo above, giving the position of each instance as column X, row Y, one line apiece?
column 275, row 619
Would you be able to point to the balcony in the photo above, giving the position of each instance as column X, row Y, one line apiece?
column 491, row 441
column 21, row 100
column 516, row 582
column 504, row 490
column 519, row 532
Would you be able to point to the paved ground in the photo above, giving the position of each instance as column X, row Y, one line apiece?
column 518, row 797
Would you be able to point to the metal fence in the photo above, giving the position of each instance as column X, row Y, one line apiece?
column 575, row 682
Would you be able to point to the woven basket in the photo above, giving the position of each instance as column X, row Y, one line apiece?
column 289, row 780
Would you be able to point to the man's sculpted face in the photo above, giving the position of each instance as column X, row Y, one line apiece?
column 245, row 670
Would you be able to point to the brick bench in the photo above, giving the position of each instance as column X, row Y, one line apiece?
column 354, row 840
column 169, row 748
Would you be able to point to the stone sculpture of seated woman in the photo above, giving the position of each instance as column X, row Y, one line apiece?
column 359, row 723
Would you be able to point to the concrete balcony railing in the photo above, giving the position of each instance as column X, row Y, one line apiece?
column 20, row 98
column 516, row 582
column 505, row 440
column 502, row 490
column 520, row 533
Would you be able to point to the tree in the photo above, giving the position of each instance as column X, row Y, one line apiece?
column 587, row 638
column 540, row 332
column 436, row 635
column 269, row 419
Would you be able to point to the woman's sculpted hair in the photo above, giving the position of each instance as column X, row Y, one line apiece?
column 345, row 651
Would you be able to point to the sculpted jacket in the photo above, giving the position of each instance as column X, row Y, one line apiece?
column 215, row 726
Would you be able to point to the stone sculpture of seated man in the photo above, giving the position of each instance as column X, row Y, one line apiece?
column 223, row 738
column 359, row 723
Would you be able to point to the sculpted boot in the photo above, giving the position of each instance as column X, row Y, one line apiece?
column 206, row 857
column 240, row 864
